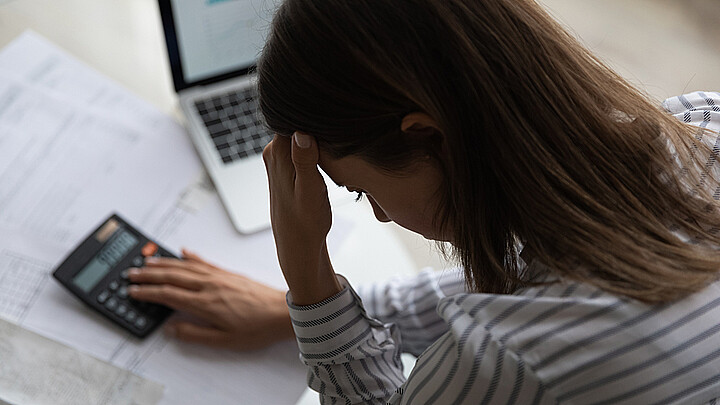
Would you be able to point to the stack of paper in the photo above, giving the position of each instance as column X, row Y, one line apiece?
column 74, row 147
column 37, row 370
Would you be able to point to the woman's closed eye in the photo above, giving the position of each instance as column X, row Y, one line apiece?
column 360, row 195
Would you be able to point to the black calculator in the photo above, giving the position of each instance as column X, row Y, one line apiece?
column 97, row 273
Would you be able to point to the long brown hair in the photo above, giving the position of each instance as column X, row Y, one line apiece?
column 546, row 144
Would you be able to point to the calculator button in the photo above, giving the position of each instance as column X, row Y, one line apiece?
column 131, row 316
column 113, row 285
column 138, row 261
column 122, row 292
column 140, row 322
column 125, row 274
column 141, row 305
column 149, row 249
column 103, row 296
column 121, row 310
column 111, row 304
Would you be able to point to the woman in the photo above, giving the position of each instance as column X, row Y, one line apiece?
column 582, row 215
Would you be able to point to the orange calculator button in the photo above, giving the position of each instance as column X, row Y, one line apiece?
column 149, row 249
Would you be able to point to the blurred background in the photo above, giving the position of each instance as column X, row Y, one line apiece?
column 665, row 47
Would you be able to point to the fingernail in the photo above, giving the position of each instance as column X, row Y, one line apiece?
column 302, row 140
column 133, row 289
column 134, row 271
column 150, row 259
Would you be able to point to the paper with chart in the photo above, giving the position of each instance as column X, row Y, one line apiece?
column 74, row 147
column 41, row 371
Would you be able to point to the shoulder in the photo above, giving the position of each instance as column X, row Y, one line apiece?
column 700, row 108
column 581, row 343
column 698, row 100
column 532, row 315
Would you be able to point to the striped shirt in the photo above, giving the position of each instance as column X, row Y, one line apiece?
column 566, row 342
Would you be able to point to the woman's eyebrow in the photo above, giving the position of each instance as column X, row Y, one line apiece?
column 333, row 180
column 322, row 169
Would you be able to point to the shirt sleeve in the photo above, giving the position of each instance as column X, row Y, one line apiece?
column 701, row 108
column 355, row 359
column 410, row 303
column 350, row 356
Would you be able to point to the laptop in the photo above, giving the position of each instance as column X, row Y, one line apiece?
column 213, row 47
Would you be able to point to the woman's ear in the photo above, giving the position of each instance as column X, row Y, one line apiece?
column 419, row 122
column 425, row 132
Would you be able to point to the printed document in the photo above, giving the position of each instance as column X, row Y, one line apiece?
column 75, row 147
column 37, row 370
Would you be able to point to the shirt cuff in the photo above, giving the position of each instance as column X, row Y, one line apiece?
column 337, row 325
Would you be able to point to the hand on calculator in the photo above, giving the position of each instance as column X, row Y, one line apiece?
column 236, row 312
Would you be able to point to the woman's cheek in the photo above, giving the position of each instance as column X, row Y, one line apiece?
column 379, row 213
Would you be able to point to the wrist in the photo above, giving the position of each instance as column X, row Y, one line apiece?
column 282, row 322
column 313, row 282
column 303, row 296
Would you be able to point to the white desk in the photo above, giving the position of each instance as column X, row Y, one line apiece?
column 124, row 40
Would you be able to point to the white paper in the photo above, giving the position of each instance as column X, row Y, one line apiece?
column 64, row 169
column 37, row 370
column 74, row 147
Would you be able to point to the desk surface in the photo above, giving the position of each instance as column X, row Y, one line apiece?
column 124, row 41
column 121, row 39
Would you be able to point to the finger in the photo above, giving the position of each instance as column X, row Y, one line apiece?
column 278, row 164
column 305, row 157
column 267, row 160
column 167, row 275
column 281, row 148
column 189, row 256
column 163, row 261
column 190, row 332
column 193, row 266
column 283, row 172
column 168, row 295
column 304, row 153
column 268, row 152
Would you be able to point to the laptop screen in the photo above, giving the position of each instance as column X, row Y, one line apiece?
column 217, row 37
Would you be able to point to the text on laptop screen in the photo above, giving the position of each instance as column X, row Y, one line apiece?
column 219, row 36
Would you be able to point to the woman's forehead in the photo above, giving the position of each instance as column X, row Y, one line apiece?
column 345, row 170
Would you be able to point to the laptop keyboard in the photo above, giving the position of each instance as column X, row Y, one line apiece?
column 233, row 123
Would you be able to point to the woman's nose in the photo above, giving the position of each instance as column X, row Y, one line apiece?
column 379, row 213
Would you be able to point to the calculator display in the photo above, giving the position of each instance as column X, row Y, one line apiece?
column 118, row 247
column 97, row 272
